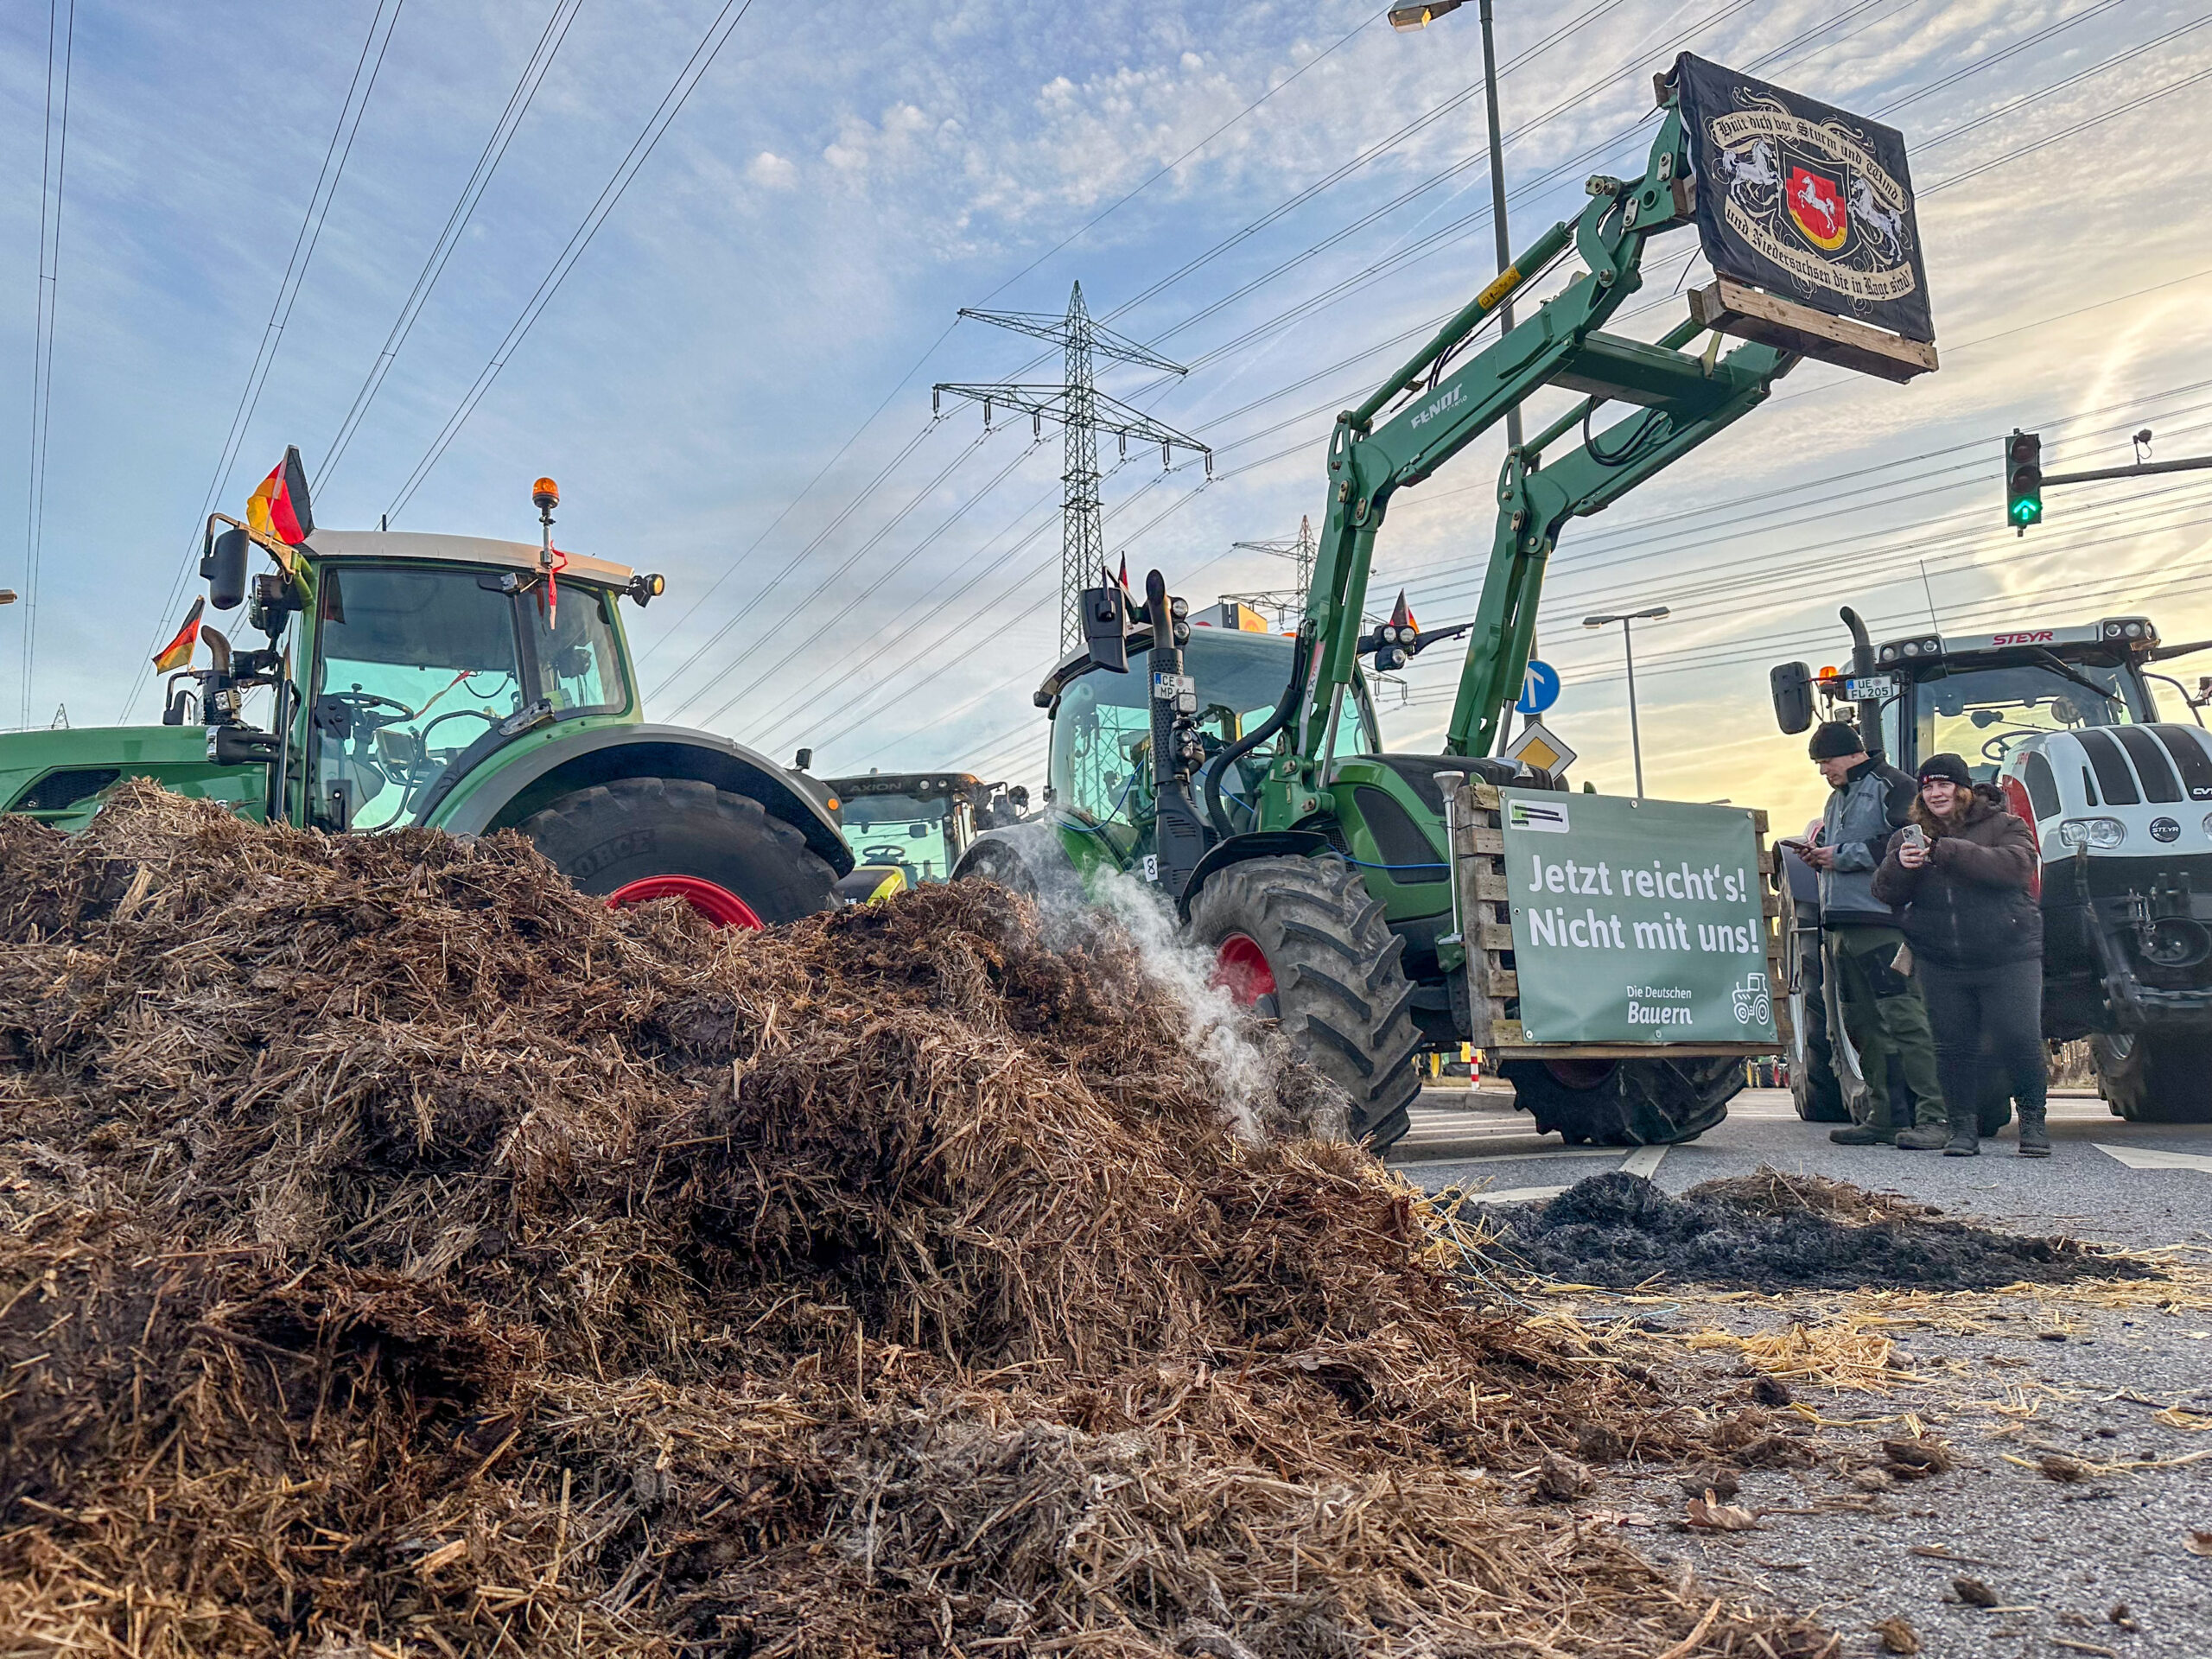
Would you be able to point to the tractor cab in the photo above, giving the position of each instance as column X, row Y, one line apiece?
column 428, row 650
column 1985, row 696
column 910, row 827
column 1099, row 782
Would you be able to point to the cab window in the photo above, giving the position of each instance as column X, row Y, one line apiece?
column 413, row 665
column 918, row 836
column 579, row 667
column 1102, row 728
column 1980, row 714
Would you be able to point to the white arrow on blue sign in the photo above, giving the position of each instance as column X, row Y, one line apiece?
column 1539, row 687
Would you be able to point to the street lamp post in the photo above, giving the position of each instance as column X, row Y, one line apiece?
column 1628, row 620
column 1419, row 16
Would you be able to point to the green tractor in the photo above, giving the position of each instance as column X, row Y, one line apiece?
column 453, row 682
column 1243, row 776
column 911, row 828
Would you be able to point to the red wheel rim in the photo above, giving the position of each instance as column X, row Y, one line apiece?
column 717, row 903
column 1240, row 968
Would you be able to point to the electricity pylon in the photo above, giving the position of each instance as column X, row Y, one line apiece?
column 1082, row 411
column 1287, row 603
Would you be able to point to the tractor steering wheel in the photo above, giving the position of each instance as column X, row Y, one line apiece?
column 884, row 855
column 360, row 703
column 1997, row 747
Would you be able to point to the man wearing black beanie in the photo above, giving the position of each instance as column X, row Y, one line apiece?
column 1882, row 1009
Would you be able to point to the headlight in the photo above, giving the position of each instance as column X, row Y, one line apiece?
column 2207, row 823
column 2099, row 832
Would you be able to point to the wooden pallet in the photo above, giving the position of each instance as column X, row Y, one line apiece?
column 1484, row 922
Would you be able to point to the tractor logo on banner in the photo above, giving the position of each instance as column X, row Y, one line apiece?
column 1804, row 199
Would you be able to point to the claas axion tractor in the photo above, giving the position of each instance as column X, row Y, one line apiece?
column 1243, row 776
column 457, row 683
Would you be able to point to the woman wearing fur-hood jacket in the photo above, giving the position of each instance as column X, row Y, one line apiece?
column 1960, row 872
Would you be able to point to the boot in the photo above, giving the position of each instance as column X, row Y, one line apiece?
column 1876, row 1134
column 1966, row 1134
column 1925, row 1137
column 2035, row 1134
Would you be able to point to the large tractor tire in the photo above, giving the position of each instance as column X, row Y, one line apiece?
column 641, row 838
column 2155, row 1079
column 1815, row 1088
column 1299, row 939
column 1626, row 1102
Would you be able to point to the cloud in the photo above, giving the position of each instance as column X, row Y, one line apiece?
column 773, row 171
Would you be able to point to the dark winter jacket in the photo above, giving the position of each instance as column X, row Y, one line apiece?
column 1969, row 906
column 1860, row 816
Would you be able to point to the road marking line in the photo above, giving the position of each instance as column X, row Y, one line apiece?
column 1644, row 1161
column 2150, row 1158
column 1536, row 1157
column 1514, row 1195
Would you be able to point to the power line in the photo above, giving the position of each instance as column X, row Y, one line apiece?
column 53, row 167
column 1724, row 11
column 737, row 563
column 335, row 155
column 464, row 208
column 804, row 641
column 641, row 149
column 1476, row 219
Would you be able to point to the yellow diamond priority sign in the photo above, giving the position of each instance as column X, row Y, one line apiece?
column 1538, row 746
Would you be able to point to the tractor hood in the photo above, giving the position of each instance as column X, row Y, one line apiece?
column 57, row 777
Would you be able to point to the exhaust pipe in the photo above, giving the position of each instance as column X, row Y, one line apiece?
column 1862, row 662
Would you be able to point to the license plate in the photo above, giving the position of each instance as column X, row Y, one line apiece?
column 1870, row 688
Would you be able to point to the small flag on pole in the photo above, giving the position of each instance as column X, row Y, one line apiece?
column 178, row 652
column 279, row 508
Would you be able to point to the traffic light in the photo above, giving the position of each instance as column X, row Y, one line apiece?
column 2024, row 480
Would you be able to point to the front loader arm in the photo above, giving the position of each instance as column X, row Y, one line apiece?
column 1685, row 399
column 1535, row 501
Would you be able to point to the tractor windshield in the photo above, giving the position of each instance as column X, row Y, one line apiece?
column 920, row 836
column 416, row 663
column 1979, row 714
column 1104, row 728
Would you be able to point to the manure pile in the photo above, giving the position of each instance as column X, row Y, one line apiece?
column 1768, row 1229
column 400, row 1255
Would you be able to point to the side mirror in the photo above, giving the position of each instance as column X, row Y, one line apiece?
column 802, row 761
column 223, row 565
column 1792, row 686
column 1106, row 629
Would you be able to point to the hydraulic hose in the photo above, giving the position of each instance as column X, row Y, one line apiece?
column 1301, row 655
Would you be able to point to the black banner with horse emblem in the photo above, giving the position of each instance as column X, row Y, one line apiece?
column 1806, row 200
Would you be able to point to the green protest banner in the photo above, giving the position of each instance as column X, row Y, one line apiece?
column 1636, row 921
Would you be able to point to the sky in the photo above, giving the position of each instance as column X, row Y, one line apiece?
column 731, row 379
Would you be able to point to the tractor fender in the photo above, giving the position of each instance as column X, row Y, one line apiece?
column 522, row 786
column 1237, row 849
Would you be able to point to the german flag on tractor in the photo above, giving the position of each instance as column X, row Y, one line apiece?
column 178, row 652
column 279, row 507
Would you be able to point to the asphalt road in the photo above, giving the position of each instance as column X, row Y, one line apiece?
column 2102, row 1181
column 2109, row 1561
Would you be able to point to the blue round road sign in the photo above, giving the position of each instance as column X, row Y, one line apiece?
column 1539, row 687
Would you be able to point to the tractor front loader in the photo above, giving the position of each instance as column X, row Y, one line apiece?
column 1355, row 893
column 454, row 683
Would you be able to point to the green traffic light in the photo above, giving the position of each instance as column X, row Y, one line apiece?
column 2024, row 480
